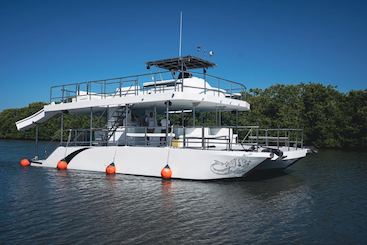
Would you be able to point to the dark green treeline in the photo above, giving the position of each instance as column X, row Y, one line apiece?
column 330, row 119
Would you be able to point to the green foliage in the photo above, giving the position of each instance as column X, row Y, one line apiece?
column 330, row 119
column 8, row 118
column 49, row 130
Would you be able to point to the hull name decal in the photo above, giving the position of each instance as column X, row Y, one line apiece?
column 237, row 166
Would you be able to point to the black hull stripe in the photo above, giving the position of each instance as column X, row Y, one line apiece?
column 68, row 158
column 35, row 162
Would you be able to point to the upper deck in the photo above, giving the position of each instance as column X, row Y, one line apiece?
column 206, row 91
column 178, row 83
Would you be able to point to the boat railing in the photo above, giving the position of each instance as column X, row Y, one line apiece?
column 216, row 138
column 278, row 137
column 219, row 85
column 129, row 135
column 148, row 83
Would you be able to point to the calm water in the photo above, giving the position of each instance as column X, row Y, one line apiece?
column 321, row 199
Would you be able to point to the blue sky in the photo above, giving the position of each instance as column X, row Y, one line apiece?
column 259, row 43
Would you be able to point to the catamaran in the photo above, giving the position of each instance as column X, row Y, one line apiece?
column 138, row 137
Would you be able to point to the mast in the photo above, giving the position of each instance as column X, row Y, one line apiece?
column 180, row 53
column 180, row 45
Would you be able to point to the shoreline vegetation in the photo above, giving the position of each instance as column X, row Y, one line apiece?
column 330, row 118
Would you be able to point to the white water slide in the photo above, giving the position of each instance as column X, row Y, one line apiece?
column 31, row 121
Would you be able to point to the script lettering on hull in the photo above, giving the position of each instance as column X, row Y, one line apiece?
column 237, row 166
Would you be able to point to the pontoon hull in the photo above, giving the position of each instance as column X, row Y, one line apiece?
column 149, row 161
column 290, row 158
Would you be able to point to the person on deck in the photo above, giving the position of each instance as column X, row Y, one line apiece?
column 164, row 121
column 151, row 122
column 164, row 124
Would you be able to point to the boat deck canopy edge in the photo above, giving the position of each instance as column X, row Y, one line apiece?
column 174, row 64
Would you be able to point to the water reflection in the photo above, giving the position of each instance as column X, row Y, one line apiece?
column 167, row 193
column 142, row 209
column 304, row 205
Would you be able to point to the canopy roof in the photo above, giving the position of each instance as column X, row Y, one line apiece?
column 174, row 64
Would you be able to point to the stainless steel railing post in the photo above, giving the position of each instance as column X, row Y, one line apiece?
column 104, row 88
column 202, row 138
column 91, row 126
column 218, row 86
column 145, row 136
column 50, row 94
column 184, row 137
column 62, row 93
column 155, row 85
column 137, row 86
column 90, row 90
column 125, row 135
column 296, row 139
column 229, row 139
column 120, row 85
column 204, row 84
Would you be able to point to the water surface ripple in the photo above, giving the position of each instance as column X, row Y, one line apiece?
column 321, row 199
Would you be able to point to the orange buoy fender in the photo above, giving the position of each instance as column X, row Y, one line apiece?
column 111, row 169
column 25, row 162
column 166, row 172
column 62, row 165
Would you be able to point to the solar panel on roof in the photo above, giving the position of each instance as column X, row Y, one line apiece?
column 188, row 62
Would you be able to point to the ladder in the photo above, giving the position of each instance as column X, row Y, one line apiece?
column 117, row 119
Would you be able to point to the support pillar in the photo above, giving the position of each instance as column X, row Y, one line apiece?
column 167, row 118
column 237, row 123
column 91, row 126
column 155, row 116
column 220, row 118
column 36, row 145
column 125, row 122
column 61, row 127
column 193, row 115
column 194, row 112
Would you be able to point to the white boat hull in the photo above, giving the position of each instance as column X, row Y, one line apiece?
column 192, row 164
column 290, row 157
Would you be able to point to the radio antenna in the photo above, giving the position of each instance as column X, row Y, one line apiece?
column 180, row 47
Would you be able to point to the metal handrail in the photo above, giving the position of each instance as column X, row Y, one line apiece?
column 133, row 82
column 266, row 137
column 223, row 79
column 141, row 136
column 109, row 79
column 103, row 82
